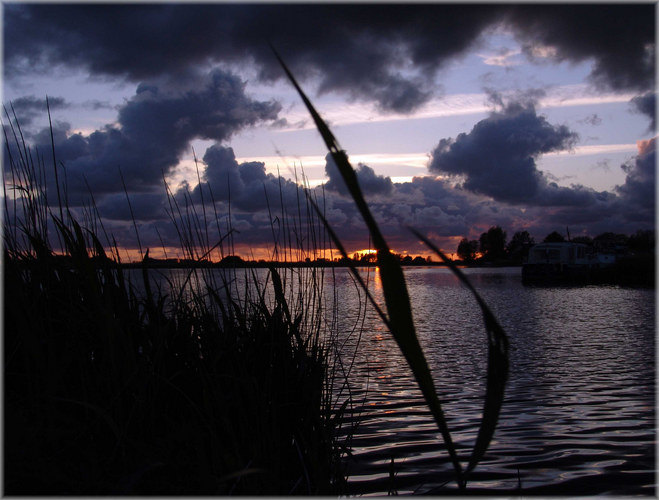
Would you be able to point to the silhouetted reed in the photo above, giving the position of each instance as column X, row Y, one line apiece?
column 116, row 385
column 398, row 316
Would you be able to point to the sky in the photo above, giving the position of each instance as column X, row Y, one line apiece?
column 456, row 117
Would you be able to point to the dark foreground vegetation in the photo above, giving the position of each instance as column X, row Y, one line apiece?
column 109, row 393
column 113, row 386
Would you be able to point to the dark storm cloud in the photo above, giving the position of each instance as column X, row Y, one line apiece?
column 433, row 206
column 386, row 54
column 222, row 173
column 620, row 38
column 383, row 53
column 638, row 191
column 355, row 48
column 29, row 107
column 630, row 208
column 246, row 186
column 646, row 104
column 272, row 191
column 258, row 202
column 95, row 105
column 68, row 146
column 143, row 206
column 497, row 158
column 153, row 130
column 369, row 181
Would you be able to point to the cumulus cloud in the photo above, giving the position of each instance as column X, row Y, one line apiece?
column 246, row 186
column 27, row 108
column 369, row 181
column 143, row 206
column 497, row 158
column 361, row 58
column 154, row 128
column 435, row 206
column 646, row 104
column 222, row 173
column 384, row 54
column 638, row 191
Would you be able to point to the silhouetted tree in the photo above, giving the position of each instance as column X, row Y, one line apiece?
column 586, row 240
column 642, row 241
column 493, row 243
column 369, row 257
column 610, row 242
column 519, row 245
column 554, row 237
column 467, row 249
column 232, row 260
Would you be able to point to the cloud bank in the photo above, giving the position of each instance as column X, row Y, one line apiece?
column 154, row 128
column 383, row 53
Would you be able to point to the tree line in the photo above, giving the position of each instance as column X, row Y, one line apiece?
column 492, row 246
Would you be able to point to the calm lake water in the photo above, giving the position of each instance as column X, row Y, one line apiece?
column 579, row 411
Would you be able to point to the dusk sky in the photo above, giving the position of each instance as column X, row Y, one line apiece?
column 457, row 117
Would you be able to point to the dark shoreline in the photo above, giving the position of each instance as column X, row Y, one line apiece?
column 634, row 271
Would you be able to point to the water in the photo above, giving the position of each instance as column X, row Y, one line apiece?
column 579, row 411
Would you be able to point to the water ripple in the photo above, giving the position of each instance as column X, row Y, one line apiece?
column 579, row 411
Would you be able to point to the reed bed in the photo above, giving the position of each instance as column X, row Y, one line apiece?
column 114, row 385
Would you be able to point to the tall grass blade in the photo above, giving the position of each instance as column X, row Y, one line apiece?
column 52, row 143
column 497, row 367
column 132, row 215
column 279, row 293
column 394, row 287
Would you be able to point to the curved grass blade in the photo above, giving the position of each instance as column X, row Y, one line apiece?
column 497, row 363
column 394, row 287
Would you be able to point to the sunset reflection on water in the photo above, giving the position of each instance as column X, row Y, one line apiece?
column 579, row 403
